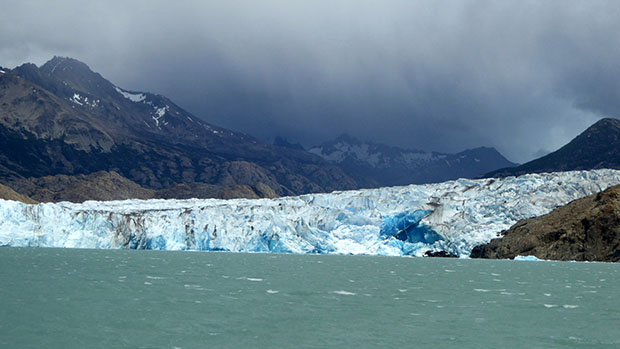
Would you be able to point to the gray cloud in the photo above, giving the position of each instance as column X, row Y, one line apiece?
column 523, row 76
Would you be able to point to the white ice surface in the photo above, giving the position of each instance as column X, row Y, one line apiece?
column 462, row 213
column 527, row 258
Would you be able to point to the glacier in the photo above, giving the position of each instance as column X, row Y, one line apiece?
column 453, row 216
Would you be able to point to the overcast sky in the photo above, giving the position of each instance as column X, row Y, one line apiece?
column 524, row 77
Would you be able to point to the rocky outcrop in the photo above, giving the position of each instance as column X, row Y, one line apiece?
column 440, row 254
column 587, row 229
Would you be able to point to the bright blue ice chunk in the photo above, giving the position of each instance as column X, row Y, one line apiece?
column 406, row 227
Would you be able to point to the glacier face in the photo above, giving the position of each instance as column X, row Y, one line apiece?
column 453, row 216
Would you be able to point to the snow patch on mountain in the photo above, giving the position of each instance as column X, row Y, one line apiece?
column 415, row 157
column 453, row 216
column 134, row 97
column 76, row 99
column 82, row 100
column 159, row 113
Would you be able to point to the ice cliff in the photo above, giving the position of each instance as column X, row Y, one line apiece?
column 453, row 216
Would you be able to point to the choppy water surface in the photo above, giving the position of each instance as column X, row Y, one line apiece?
column 63, row 298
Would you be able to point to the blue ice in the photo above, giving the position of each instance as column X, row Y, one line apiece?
column 406, row 227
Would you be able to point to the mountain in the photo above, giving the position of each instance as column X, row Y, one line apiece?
column 452, row 216
column 376, row 165
column 109, row 185
column 587, row 229
column 283, row 142
column 64, row 119
column 597, row 147
column 102, row 185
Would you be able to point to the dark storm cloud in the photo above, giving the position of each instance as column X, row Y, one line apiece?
column 524, row 77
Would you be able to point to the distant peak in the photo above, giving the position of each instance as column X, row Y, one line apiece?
column 59, row 63
column 606, row 122
column 481, row 150
column 27, row 66
column 56, row 59
column 606, row 127
column 61, row 59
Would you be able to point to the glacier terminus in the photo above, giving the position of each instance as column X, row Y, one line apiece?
column 452, row 216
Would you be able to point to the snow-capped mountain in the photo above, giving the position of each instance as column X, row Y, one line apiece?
column 382, row 165
column 64, row 119
column 452, row 216
column 110, row 113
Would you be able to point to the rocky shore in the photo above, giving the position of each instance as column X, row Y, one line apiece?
column 587, row 229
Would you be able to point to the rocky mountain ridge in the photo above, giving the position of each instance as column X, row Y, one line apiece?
column 375, row 164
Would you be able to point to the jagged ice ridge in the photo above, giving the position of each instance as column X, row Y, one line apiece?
column 453, row 216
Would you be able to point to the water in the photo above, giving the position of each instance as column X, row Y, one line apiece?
column 63, row 298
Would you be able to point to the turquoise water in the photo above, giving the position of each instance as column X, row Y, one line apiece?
column 64, row 298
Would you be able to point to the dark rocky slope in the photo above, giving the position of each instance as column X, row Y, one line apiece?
column 104, row 185
column 587, row 229
column 7, row 193
column 101, row 185
column 597, row 147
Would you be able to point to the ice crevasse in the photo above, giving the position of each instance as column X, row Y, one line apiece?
column 452, row 216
